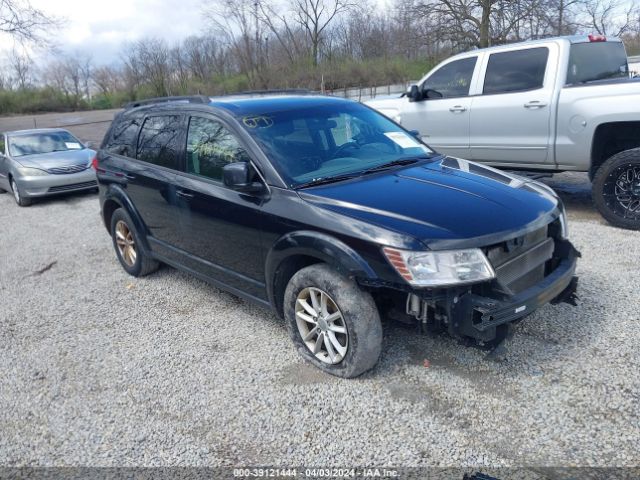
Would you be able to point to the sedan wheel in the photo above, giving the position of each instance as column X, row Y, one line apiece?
column 321, row 325
column 20, row 200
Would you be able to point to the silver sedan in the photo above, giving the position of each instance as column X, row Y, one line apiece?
column 42, row 162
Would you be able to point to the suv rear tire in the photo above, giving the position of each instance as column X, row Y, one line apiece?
column 129, row 250
column 616, row 189
column 328, row 312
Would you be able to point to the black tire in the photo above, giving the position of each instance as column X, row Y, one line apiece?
column 20, row 199
column 359, row 313
column 619, row 210
column 143, row 264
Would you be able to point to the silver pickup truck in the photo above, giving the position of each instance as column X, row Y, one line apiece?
column 553, row 105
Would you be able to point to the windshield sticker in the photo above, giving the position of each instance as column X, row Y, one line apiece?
column 72, row 145
column 259, row 121
column 403, row 140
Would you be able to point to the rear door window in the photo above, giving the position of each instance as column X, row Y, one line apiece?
column 159, row 141
column 516, row 71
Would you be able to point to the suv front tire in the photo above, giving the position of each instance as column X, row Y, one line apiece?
column 333, row 323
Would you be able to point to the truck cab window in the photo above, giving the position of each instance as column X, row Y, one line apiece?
column 516, row 71
column 452, row 79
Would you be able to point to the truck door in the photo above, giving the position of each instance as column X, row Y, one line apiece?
column 511, row 115
column 443, row 123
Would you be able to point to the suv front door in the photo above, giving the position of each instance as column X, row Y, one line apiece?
column 443, row 122
column 220, row 227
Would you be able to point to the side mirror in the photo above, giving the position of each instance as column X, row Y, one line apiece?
column 415, row 95
column 429, row 93
column 89, row 144
column 237, row 176
column 415, row 133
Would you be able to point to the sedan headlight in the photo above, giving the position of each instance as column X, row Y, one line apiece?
column 440, row 268
column 31, row 172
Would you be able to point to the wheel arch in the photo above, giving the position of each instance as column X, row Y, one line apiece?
column 116, row 198
column 297, row 250
column 612, row 138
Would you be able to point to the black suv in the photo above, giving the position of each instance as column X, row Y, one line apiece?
column 332, row 215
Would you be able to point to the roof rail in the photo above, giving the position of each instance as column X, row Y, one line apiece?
column 152, row 101
column 298, row 91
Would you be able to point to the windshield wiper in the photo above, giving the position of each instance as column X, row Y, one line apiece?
column 326, row 180
column 395, row 163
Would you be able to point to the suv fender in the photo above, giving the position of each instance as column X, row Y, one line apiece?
column 309, row 244
column 115, row 194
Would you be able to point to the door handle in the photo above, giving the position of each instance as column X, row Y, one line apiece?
column 129, row 177
column 534, row 104
column 185, row 194
column 457, row 109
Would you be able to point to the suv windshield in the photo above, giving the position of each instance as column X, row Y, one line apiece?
column 37, row 143
column 593, row 61
column 316, row 143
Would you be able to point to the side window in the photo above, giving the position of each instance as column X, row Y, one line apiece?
column 516, row 71
column 159, row 141
column 453, row 79
column 210, row 146
column 122, row 140
column 1, row 144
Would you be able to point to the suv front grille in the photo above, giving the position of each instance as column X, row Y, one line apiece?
column 519, row 263
column 68, row 169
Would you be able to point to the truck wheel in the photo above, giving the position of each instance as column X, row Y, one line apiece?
column 126, row 242
column 333, row 324
column 616, row 189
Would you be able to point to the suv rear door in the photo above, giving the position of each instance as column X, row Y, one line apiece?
column 220, row 228
column 511, row 114
column 151, row 180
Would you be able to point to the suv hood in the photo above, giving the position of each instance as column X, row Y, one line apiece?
column 444, row 203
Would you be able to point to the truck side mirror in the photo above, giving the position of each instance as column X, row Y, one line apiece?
column 430, row 93
column 415, row 95
column 237, row 176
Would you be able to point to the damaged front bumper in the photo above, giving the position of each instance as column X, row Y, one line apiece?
column 485, row 317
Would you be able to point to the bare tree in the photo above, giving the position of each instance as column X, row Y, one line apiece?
column 610, row 17
column 314, row 16
column 22, row 68
column 21, row 21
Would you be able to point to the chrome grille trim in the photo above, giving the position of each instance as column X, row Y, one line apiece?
column 68, row 169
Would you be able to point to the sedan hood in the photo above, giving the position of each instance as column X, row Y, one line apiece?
column 444, row 203
column 45, row 161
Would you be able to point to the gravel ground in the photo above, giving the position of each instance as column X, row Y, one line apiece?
column 98, row 368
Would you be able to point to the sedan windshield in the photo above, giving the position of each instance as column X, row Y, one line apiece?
column 333, row 141
column 38, row 143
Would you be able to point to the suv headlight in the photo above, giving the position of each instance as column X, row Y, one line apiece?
column 564, row 226
column 440, row 268
column 31, row 172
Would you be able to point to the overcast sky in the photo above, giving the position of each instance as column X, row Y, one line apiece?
column 99, row 27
